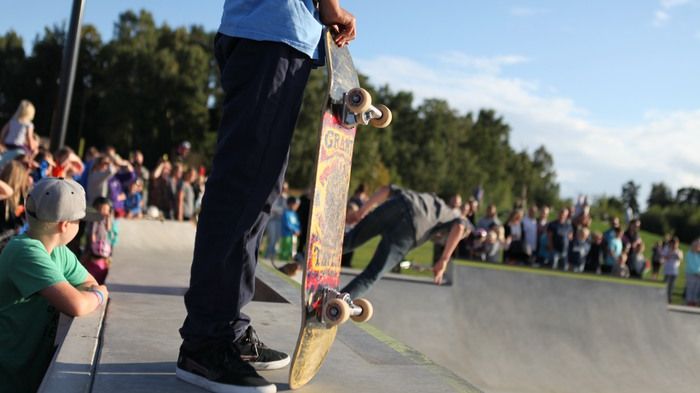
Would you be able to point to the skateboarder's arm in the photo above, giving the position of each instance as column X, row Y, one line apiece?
column 375, row 200
column 341, row 22
column 457, row 233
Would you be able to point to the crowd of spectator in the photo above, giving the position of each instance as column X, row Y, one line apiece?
column 115, row 187
column 568, row 243
column 528, row 237
column 119, row 188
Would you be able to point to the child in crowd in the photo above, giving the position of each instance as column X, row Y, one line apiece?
column 692, row 275
column 580, row 247
column 67, row 164
column 45, row 165
column 125, row 175
column 672, row 261
column 492, row 245
column 18, row 133
column 614, row 253
column 595, row 257
column 98, row 253
column 17, row 178
column 290, row 229
column 635, row 261
column 40, row 277
column 134, row 201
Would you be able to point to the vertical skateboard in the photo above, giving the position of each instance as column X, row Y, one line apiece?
column 323, row 307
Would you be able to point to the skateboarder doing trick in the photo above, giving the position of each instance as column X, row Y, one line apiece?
column 265, row 50
column 405, row 219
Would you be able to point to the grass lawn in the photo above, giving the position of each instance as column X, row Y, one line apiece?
column 424, row 255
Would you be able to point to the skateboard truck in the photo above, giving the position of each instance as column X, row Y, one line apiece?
column 337, row 308
column 358, row 109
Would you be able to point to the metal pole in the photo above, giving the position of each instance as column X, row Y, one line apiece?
column 59, row 121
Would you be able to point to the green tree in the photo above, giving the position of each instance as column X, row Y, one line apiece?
column 12, row 60
column 688, row 196
column 630, row 192
column 154, row 86
column 660, row 195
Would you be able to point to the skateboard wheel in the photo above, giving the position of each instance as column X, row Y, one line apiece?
column 358, row 100
column 367, row 310
column 384, row 120
column 337, row 312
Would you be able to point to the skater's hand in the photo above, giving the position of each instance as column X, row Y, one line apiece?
column 439, row 271
column 340, row 22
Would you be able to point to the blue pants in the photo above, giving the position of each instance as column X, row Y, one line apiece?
column 263, row 84
column 391, row 220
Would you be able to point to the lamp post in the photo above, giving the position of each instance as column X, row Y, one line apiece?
column 59, row 121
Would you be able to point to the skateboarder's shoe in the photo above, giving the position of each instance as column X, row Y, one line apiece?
column 218, row 367
column 256, row 353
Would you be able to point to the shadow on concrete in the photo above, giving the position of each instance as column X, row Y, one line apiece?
column 146, row 289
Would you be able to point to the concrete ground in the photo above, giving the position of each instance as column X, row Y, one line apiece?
column 522, row 330
column 502, row 329
column 137, row 346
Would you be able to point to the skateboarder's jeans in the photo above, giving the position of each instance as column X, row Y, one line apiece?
column 391, row 220
column 263, row 84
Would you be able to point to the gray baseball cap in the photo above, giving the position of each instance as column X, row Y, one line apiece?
column 55, row 199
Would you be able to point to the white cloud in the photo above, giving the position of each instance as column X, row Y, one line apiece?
column 588, row 157
column 522, row 11
column 485, row 65
column 662, row 15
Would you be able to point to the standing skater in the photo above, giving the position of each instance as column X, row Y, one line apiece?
column 265, row 50
column 405, row 219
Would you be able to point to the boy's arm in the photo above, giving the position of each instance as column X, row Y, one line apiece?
column 457, row 233
column 73, row 301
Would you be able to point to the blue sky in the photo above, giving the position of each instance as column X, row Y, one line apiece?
column 611, row 88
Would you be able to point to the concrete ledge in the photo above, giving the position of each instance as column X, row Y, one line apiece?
column 684, row 309
column 73, row 365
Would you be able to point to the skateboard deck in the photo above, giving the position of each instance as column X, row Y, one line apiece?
column 321, row 303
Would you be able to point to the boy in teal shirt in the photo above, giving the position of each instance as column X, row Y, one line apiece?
column 40, row 277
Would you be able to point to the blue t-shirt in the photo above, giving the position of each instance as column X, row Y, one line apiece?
column 615, row 247
column 293, row 22
column 290, row 223
column 692, row 263
column 133, row 203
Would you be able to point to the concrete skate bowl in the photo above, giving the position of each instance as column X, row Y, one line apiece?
column 527, row 330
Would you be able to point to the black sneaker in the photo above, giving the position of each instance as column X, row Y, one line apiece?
column 256, row 353
column 218, row 367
